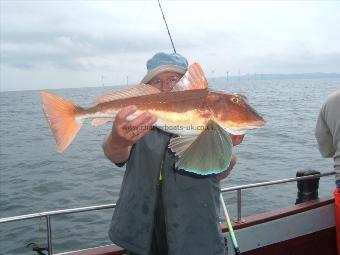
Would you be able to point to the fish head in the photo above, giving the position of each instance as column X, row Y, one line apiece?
column 234, row 113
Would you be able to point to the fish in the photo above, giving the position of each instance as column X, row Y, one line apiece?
column 202, row 118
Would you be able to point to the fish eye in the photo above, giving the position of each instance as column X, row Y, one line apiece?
column 235, row 99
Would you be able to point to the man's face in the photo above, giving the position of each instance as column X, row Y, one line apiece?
column 165, row 81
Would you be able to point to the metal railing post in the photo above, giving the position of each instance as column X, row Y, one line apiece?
column 239, row 216
column 49, row 235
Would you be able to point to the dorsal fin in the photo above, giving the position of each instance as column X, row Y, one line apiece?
column 194, row 78
column 138, row 90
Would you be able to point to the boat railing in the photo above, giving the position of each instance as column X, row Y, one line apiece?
column 47, row 215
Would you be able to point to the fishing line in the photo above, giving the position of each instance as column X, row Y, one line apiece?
column 167, row 28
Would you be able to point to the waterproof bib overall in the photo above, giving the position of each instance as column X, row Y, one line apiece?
column 191, row 203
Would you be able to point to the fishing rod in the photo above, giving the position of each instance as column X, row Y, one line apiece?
column 230, row 227
column 167, row 28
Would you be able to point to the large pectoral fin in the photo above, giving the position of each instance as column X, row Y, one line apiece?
column 209, row 153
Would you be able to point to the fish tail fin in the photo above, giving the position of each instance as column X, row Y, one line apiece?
column 61, row 116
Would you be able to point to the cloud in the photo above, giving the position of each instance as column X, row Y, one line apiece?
column 66, row 50
column 115, row 38
column 65, row 38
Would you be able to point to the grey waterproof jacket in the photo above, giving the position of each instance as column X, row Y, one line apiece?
column 191, row 203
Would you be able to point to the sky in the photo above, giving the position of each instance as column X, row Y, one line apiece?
column 62, row 44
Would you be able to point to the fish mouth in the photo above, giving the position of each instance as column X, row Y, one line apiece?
column 258, row 123
column 242, row 129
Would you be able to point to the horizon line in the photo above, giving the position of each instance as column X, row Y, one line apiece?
column 337, row 75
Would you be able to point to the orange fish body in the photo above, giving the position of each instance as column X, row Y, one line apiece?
column 187, row 110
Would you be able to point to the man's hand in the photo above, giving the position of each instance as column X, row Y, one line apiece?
column 125, row 133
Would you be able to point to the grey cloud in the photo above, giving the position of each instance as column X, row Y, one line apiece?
column 62, row 39
column 63, row 49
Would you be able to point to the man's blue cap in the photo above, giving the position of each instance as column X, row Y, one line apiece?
column 163, row 62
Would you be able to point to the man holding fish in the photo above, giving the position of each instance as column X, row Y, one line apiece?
column 179, row 227
column 125, row 134
column 175, row 136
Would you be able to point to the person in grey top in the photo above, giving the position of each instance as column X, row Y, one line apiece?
column 327, row 131
column 161, row 210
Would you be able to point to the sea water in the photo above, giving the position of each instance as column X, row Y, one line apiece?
column 35, row 178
